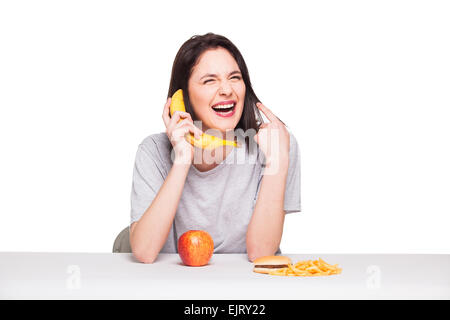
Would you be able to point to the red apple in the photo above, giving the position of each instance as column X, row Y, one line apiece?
column 195, row 248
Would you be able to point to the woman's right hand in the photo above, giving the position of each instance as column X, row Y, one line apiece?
column 176, row 131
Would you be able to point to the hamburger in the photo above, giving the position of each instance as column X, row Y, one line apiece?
column 270, row 263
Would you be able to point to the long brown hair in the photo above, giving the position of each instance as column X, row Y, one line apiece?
column 187, row 57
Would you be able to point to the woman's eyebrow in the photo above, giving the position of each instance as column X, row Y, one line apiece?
column 215, row 75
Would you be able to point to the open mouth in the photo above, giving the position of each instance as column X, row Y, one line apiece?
column 224, row 110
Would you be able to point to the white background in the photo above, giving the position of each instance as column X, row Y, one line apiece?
column 363, row 85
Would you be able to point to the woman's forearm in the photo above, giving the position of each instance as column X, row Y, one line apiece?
column 149, row 234
column 266, row 225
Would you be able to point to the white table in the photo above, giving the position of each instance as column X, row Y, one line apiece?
column 228, row 276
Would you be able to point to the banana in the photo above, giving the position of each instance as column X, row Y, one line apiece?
column 206, row 141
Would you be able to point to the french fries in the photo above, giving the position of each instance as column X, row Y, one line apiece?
column 308, row 268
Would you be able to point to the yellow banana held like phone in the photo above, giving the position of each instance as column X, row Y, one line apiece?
column 206, row 141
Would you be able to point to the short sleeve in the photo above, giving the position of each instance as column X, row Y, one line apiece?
column 292, row 191
column 147, row 179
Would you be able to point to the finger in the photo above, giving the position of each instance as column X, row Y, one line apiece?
column 166, row 112
column 181, row 114
column 195, row 131
column 269, row 115
column 281, row 121
column 181, row 127
column 175, row 124
column 186, row 128
column 192, row 128
column 178, row 134
column 176, row 117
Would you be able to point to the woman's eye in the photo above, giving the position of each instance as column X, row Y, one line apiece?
column 211, row 80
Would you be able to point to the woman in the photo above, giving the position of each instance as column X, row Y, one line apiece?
column 176, row 187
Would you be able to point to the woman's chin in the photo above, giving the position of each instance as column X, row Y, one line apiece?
column 222, row 128
column 225, row 124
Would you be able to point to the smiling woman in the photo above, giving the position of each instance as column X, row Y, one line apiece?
column 240, row 201
column 225, row 108
column 211, row 71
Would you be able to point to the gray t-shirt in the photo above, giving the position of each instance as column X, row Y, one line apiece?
column 219, row 201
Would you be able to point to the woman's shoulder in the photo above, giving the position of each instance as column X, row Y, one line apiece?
column 157, row 144
column 159, row 139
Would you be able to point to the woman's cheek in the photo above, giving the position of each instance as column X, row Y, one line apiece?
column 209, row 92
column 239, row 88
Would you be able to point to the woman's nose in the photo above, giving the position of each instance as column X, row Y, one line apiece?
column 225, row 88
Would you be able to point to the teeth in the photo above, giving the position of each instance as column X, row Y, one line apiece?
column 224, row 106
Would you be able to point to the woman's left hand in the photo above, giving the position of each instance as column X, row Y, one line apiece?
column 272, row 137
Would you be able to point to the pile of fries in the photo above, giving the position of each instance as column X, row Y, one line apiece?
column 308, row 268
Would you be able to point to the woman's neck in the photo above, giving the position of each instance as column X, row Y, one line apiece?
column 205, row 160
